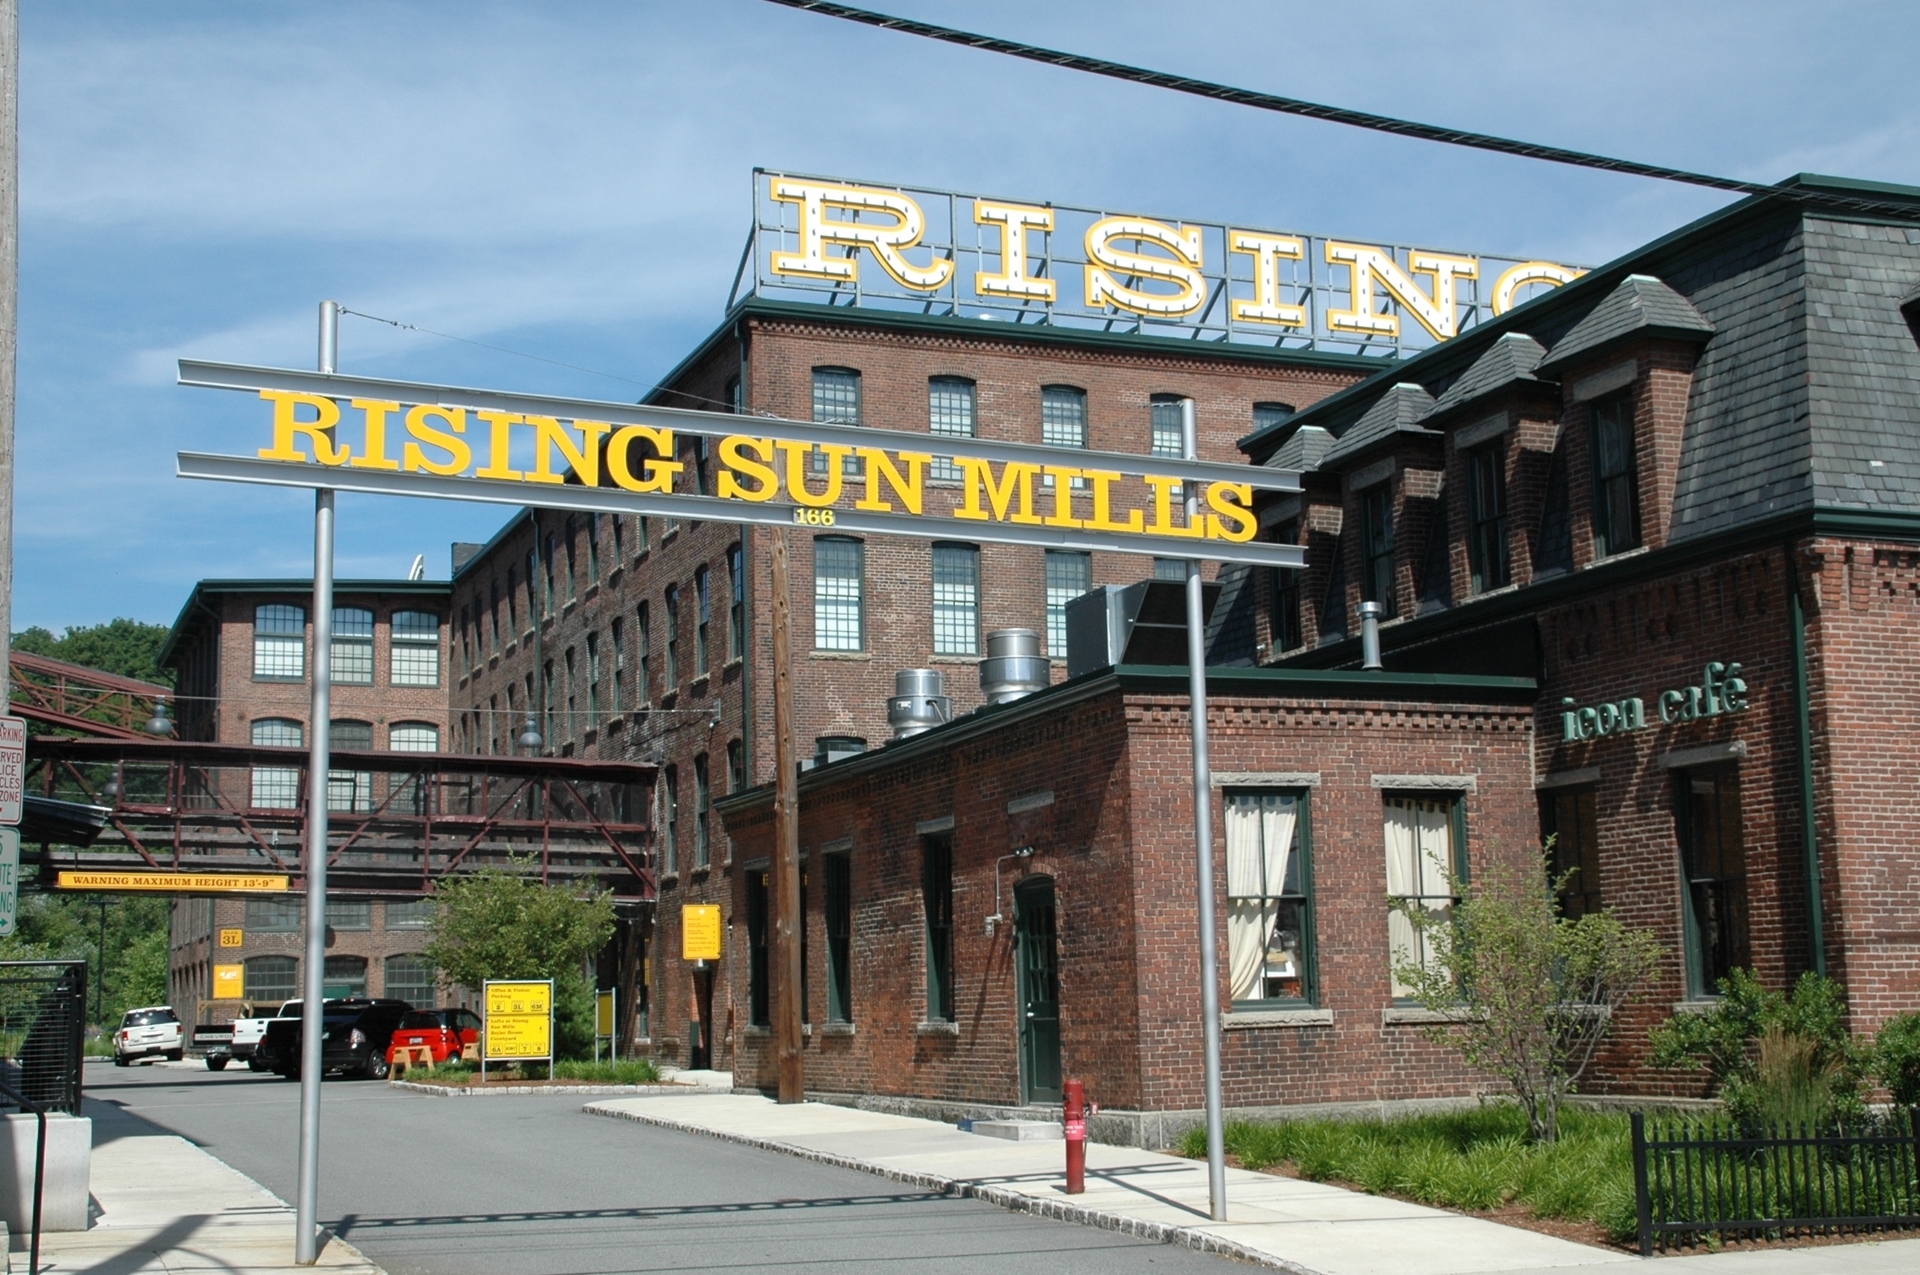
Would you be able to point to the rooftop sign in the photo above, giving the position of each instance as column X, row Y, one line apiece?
column 836, row 242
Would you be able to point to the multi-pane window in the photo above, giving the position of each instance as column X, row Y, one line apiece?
column 1713, row 856
column 836, row 400
column 273, row 916
column 670, row 819
column 1553, row 544
column 1069, row 574
column 1567, row 819
column 1487, row 516
column 593, row 681
column 493, row 611
column 619, row 524
column 350, row 914
column 1170, row 568
column 349, row 789
column 1169, row 433
column 1616, row 496
column 1287, row 634
column 672, row 618
column 279, row 643
column 838, row 870
column 736, row 765
column 1423, row 860
column 344, row 976
column 643, row 538
column 936, row 898
column 1063, row 416
column 759, row 993
column 415, row 657
column 736, row 603
column 736, row 398
column 643, row 651
column 1267, row 415
column 552, row 551
column 1269, row 907
column 546, row 703
column 1376, row 547
column 838, row 619
column 573, row 705
column 702, row 810
column 272, row 978
column 513, row 606
column 702, row 608
column 410, row 914
column 410, row 978
column 352, row 646
column 413, row 737
column 956, row 599
column 277, row 787
column 949, row 413
column 593, row 549
column 617, row 634
column 1436, row 564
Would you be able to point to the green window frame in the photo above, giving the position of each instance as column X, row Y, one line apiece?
column 1713, row 863
column 837, row 870
column 1487, row 516
column 936, row 899
column 1270, row 925
column 1569, row 820
column 759, row 1007
column 1616, row 482
column 1426, row 840
column 1376, row 547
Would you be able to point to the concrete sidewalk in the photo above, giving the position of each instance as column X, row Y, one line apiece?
column 162, row 1204
column 1305, row 1227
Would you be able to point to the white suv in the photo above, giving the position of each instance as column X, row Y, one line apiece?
column 153, row 1032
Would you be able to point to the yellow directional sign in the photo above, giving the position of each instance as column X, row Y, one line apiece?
column 603, row 1013
column 519, row 1019
column 229, row 982
column 233, row 936
column 699, row 932
column 178, row 882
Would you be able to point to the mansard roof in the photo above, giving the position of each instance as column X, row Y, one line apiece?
column 1396, row 412
column 1641, row 306
column 1508, row 362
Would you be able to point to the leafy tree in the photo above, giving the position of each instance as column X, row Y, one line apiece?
column 505, row 924
column 1770, row 1055
column 128, row 647
column 69, row 927
column 1528, row 994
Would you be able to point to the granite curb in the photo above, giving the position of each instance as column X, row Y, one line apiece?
column 475, row 1091
column 1004, row 1197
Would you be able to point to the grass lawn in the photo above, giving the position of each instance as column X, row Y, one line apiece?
column 634, row 1071
column 1475, row 1160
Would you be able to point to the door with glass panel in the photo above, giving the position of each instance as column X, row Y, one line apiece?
column 1039, row 972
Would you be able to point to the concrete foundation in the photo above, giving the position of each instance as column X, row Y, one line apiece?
column 68, row 1171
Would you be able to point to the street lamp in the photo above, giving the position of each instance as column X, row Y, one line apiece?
column 159, row 724
column 530, row 737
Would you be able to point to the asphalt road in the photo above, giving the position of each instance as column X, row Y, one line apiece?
column 530, row 1185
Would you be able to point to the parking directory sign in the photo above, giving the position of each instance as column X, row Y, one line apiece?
column 13, row 769
column 519, row 1022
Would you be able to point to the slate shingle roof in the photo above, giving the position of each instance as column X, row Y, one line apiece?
column 1641, row 306
column 1509, row 361
column 1303, row 449
column 1398, row 411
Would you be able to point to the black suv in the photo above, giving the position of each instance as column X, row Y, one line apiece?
column 357, row 1033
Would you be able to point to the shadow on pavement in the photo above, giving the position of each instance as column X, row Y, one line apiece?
column 353, row 1222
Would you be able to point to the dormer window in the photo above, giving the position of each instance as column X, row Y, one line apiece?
column 1376, row 547
column 1616, row 496
column 1487, row 516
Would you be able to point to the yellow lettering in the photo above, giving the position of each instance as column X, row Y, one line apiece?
column 1232, row 517
column 734, row 459
column 1014, row 221
column 1163, row 524
column 549, row 434
column 459, row 455
column 1366, row 266
column 656, row 475
column 905, row 486
column 1550, row 274
column 1062, row 479
column 797, row 455
column 885, row 242
column 1100, row 480
column 1107, row 263
column 375, row 456
column 500, row 444
column 1267, row 252
column 1015, row 476
column 319, row 431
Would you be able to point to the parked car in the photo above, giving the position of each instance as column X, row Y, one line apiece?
column 357, row 1034
column 152, row 1032
column 248, row 1030
column 212, row 1042
column 450, row 1033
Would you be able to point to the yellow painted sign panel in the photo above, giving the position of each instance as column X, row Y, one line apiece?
column 603, row 1014
column 700, row 932
column 177, row 882
column 232, row 937
column 520, row 1019
column 229, row 982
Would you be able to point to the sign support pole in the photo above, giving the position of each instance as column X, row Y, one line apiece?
column 306, row 1238
column 1203, row 844
column 786, row 843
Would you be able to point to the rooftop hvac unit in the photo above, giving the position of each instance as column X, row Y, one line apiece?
column 919, row 702
column 1014, row 667
column 1144, row 623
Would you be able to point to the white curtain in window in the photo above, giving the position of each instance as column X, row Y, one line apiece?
column 1419, row 858
column 1259, row 840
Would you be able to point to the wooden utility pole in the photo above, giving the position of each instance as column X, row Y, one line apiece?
column 786, row 845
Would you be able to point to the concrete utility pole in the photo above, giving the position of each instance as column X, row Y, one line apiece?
column 9, row 314
column 786, row 845
column 306, row 1236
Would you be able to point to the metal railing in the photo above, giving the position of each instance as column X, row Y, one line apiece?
column 43, row 1017
column 1713, row 1176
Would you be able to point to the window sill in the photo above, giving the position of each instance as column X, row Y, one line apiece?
column 1421, row 1016
column 755, row 1032
column 837, row 1029
column 953, row 659
column 840, row 655
column 286, row 681
column 936, row 1029
column 1697, row 1005
column 732, row 664
column 1242, row 1019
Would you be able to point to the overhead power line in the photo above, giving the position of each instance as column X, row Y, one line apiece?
column 1357, row 119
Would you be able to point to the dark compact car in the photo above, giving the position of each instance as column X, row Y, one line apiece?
column 450, row 1033
column 354, row 1042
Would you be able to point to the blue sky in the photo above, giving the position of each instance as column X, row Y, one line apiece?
column 572, row 180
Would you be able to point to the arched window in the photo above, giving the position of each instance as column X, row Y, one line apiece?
column 272, row 978
column 411, row 978
column 279, row 643
column 277, row 787
column 416, row 649
column 345, row 976
column 413, row 737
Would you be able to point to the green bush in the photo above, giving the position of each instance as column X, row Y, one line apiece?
column 1771, row 1056
column 1477, row 1159
column 1896, row 1058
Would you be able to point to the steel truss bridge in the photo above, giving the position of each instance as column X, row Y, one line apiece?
column 397, row 821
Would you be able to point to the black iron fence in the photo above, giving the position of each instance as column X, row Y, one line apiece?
column 43, row 1023
column 1712, row 1176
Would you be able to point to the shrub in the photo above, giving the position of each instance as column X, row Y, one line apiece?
column 1896, row 1058
column 1771, row 1056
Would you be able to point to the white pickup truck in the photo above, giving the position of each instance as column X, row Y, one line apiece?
column 248, row 1031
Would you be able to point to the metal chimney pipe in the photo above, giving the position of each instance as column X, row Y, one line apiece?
column 1370, row 613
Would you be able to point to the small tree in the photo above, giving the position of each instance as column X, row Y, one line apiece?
column 505, row 924
column 1772, row 1056
column 1528, row 994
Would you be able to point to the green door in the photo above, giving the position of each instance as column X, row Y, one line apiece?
column 1039, row 991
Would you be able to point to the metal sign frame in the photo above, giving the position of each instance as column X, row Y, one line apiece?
column 13, row 769
column 486, row 1025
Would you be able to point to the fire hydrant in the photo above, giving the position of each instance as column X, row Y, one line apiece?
column 1076, row 1124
